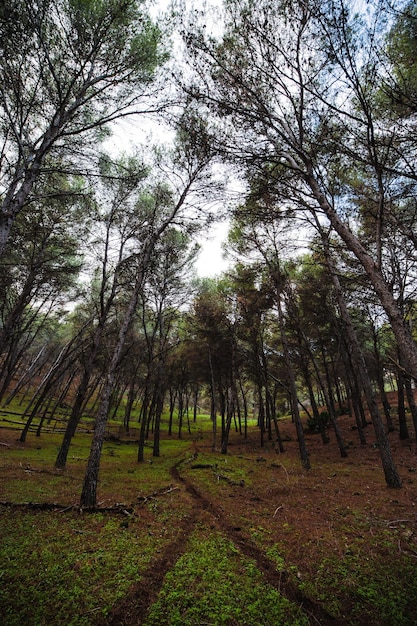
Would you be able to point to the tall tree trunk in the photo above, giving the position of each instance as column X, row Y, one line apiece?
column 75, row 416
column 380, row 381
column 230, row 405
column 405, row 342
column 89, row 490
column 213, row 411
column 316, row 415
column 402, row 419
column 391, row 474
column 411, row 403
column 293, row 391
column 73, row 421
column 143, row 427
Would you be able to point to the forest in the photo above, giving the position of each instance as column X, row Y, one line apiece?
column 127, row 130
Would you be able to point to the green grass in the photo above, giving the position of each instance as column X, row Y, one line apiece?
column 32, row 477
column 68, row 568
column 378, row 576
column 202, row 588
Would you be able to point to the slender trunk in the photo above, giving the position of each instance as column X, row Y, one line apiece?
column 391, row 474
column 400, row 328
column 293, row 391
column 402, row 419
column 73, row 421
column 47, row 384
column 172, row 398
column 329, row 405
column 143, row 427
column 60, row 401
column 157, row 428
column 195, row 403
column 316, row 415
column 212, row 403
column 354, row 394
column 411, row 403
column 75, row 416
column 180, row 413
column 230, row 403
column 33, row 369
column 245, row 410
column 380, row 381
column 89, row 491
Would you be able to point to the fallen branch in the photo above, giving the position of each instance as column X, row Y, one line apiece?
column 229, row 481
column 400, row 521
column 161, row 492
column 118, row 509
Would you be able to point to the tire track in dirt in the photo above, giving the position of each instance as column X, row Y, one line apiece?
column 133, row 608
column 279, row 580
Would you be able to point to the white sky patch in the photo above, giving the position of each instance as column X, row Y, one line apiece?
column 211, row 261
column 131, row 134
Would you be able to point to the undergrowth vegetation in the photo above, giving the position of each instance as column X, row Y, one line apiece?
column 336, row 534
column 66, row 568
column 201, row 589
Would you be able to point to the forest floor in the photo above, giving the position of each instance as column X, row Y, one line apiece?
column 223, row 533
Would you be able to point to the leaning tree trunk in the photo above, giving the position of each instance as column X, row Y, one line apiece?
column 75, row 416
column 392, row 477
column 89, row 491
column 73, row 420
column 405, row 342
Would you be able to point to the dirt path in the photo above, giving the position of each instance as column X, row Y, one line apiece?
column 133, row 609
